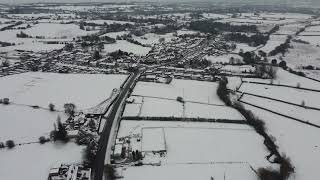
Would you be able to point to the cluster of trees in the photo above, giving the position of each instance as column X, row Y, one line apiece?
column 286, row 167
column 69, row 108
column 266, row 71
column 209, row 26
column 222, row 91
column 96, row 38
column 253, row 40
column 118, row 54
column 5, row 44
column 5, row 63
column 23, row 35
column 165, row 29
column 282, row 48
column 59, row 132
column 199, row 64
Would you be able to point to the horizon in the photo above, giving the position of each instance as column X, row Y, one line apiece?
column 253, row 2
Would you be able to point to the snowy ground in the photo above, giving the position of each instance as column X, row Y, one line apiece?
column 298, row 141
column 160, row 100
column 60, row 30
column 34, row 161
column 224, row 58
column 291, row 95
column 154, row 107
column 36, row 88
column 303, row 54
column 151, row 38
column 286, row 78
column 211, row 145
column 304, row 114
column 126, row 46
column 197, row 91
column 190, row 172
column 25, row 124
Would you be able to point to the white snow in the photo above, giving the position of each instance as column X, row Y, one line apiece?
column 126, row 46
column 36, row 88
column 153, row 140
column 34, row 161
column 298, row 141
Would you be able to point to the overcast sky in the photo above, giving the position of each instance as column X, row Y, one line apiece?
column 289, row 2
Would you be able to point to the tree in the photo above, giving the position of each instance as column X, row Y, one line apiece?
column 51, row 107
column 69, row 47
column 10, row 144
column 248, row 57
column 283, row 64
column 60, row 133
column 2, row 145
column 6, row 63
column 69, row 108
column 92, row 124
column 162, row 40
column 274, row 62
column 96, row 55
column 42, row 140
column 81, row 25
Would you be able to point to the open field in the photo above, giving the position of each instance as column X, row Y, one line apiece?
column 197, row 91
column 16, row 162
column 301, row 113
column 217, row 145
column 291, row 95
column 25, row 124
column 190, row 172
column 126, row 46
column 44, row 88
column 60, row 30
column 298, row 141
column 285, row 78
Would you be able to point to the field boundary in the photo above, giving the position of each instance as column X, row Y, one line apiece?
column 286, row 102
column 136, row 118
column 282, row 85
column 286, row 116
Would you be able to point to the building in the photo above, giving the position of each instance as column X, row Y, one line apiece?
column 70, row 172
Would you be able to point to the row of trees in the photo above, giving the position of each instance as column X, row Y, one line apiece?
column 253, row 40
column 282, row 48
column 209, row 26
column 286, row 168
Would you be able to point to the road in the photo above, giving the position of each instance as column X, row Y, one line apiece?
column 106, row 137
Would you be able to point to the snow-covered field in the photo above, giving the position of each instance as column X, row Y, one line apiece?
column 303, row 54
column 36, row 88
column 124, row 45
column 224, row 58
column 313, row 40
column 189, row 90
column 304, row 114
column 154, row 107
column 291, row 95
column 194, row 144
column 160, row 100
column 60, row 30
column 274, row 41
column 25, row 124
column 190, row 172
column 298, row 141
column 33, row 161
column 151, row 38
column 286, row 78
